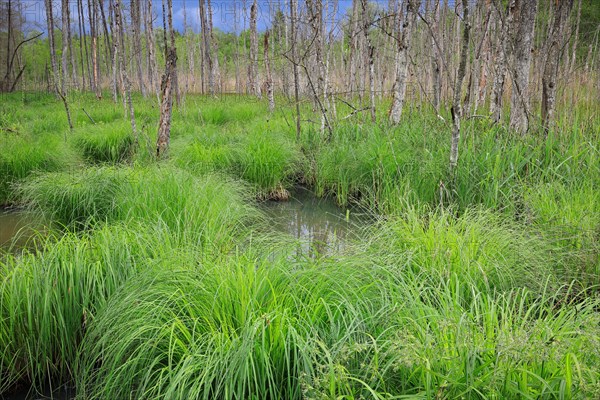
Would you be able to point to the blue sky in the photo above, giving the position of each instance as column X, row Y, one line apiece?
column 223, row 12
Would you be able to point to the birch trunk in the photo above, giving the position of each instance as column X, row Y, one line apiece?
column 503, row 25
column 166, row 105
column 65, row 44
column 253, row 64
column 402, row 58
column 456, row 103
column 136, row 25
column 119, row 47
column 293, row 12
column 370, row 57
column 214, row 48
column 519, row 110
column 436, row 62
column 93, row 16
column 550, row 77
column 208, row 71
column 55, row 74
column 150, row 45
column 269, row 78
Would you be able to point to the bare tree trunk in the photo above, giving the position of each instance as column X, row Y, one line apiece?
column 436, row 62
column 481, row 18
column 238, row 81
column 214, row 48
column 65, row 44
column 293, row 12
column 115, row 54
column 120, row 49
column 83, row 45
column 253, row 64
column 93, row 17
column 329, row 100
column 108, row 48
column 370, row 57
column 402, row 58
column 353, row 57
column 269, row 81
column 136, row 25
column 503, row 25
column 550, row 77
column 150, row 45
column 174, row 78
column 166, row 105
column 315, row 13
column 519, row 112
column 72, row 62
column 456, row 103
column 55, row 75
column 208, row 71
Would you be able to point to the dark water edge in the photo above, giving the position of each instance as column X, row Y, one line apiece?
column 62, row 392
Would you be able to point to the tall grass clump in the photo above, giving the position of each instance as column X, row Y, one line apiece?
column 23, row 155
column 227, row 111
column 110, row 143
column 568, row 215
column 480, row 248
column 247, row 328
column 269, row 161
column 203, row 155
column 74, row 199
column 345, row 328
column 208, row 209
column 372, row 165
column 49, row 297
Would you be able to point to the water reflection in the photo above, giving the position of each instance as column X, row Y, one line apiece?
column 320, row 226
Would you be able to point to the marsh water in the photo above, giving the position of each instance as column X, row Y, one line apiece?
column 16, row 227
column 318, row 224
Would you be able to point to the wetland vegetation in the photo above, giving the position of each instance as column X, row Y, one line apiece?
column 434, row 234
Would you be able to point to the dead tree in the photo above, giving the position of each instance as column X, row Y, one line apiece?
column 523, row 42
column 556, row 38
column 55, row 75
column 253, row 62
column 150, row 45
column 370, row 56
column 166, row 105
column 9, row 81
column 294, row 34
column 503, row 25
column 166, row 88
column 402, row 59
column 65, row 44
column 269, row 78
column 208, row 71
column 120, row 48
column 136, row 26
column 456, row 109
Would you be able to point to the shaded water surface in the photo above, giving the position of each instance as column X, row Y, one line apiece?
column 16, row 228
column 319, row 225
